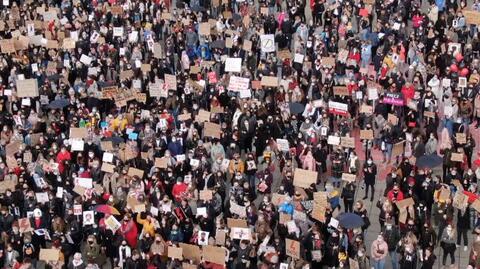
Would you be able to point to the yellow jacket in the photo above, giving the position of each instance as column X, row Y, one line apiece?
column 148, row 226
column 119, row 124
column 233, row 168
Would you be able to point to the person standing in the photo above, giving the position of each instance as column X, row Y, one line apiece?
column 448, row 244
column 391, row 235
column 428, row 260
column 348, row 195
column 370, row 173
column 379, row 251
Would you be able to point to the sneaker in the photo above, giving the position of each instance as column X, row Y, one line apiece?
column 457, row 245
column 465, row 248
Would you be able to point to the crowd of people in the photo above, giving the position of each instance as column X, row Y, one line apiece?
column 238, row 134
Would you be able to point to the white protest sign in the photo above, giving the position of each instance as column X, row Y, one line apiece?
column 267, row 43
column 117, row 31
column 233, row 64
column 107, row 157
column 77, row 145
column 283, row 144
column 238, row 84
column 88, row 218
column 85, row 59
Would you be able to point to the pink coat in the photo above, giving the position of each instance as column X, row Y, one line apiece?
column 308, row 162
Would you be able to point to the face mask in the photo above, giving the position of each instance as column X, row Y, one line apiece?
column 360, row 254
column 91, row 155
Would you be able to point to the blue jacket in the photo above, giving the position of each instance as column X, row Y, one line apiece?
column 440, row 4
column 206, row 55
column 286, row 208
column 175, row 148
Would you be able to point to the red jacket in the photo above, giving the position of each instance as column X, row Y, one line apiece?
column 408, row 93
column 417, row 21
column 391, row 196
column 61, row 158
column 178, row 190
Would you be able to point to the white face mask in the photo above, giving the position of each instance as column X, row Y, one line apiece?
column 360, row 254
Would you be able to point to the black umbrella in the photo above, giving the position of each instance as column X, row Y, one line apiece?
column 350, row 220
column 59, row 103
column 197, row 8
column 218, row 44
column 429, row 161
column 115, row 139
column 296, row 108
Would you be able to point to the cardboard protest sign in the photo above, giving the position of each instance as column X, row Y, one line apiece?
column 277, row 198
column 240, row 223
column 220, row 237
column 476, row 205
column 457, row 157
column 330, row 61
column 7, row 185
column 471, row 17
column 318, row 212
column 292, row 248
column 353, row 263
column 269, row 81
column 49, row 254
column 284, row 218
column 460, row 200
column 398, row 148
column 175, row 253
column 135, row 172
column 107, row 167
column 284, row 54
column 161, row 162
column 461, row 138
column 7, row 46
column 212, row 130
column 366, row 109
column 24, row 225
column 405, row 203
column 347, row 142
column 304, row 178
column 392, row 119
column 204, row 28
column 27, row 88
column 191, row 252
column 247, row 45
column 184, row 117
column 127, row 74
column 366, row 134
column 203, row 116
column 206, row 195
column 341, row 91
column 214, row 254
column 321, row 198
column 349, row 177
column 78, row 133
